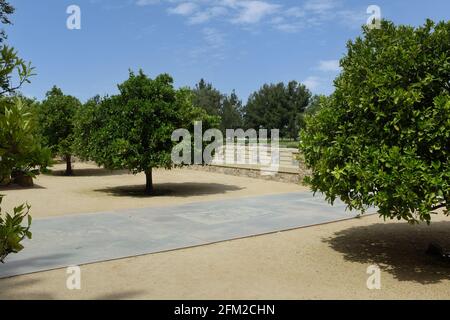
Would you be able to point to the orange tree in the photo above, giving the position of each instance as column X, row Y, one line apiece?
column 383, row 139
column 56, row 121
column 132, row 130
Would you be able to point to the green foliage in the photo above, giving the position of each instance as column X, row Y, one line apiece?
column 316, row 103
column 205, row 96
column 228, row 108
column 20, row 151
column 20, row 148
column 133, row 129
column 88, row 122
column 5, row 10
column 231, row 113
column 287, row 143
column 277, row 106
column 56, row 120
column 384, row 140
column 10, row 63
column 12, row 231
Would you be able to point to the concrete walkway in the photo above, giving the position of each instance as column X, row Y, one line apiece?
column 86, row 238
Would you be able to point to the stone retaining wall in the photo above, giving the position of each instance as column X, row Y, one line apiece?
column 288, row 177
column 291, row 169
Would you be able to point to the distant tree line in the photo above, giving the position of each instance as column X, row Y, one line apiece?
column 132, row 129
column 274, row 106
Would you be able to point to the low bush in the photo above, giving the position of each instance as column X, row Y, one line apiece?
column 12, row 231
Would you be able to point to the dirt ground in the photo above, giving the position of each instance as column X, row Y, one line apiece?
column 93, row 189
column 322, row 262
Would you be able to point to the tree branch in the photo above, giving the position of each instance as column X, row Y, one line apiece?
column 9, row 90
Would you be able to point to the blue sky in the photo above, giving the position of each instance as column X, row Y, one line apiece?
column 235, row 44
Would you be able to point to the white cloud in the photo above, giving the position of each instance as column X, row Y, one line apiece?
column 351, row 18
column 213, row 48
column 329, row 66
column 183, row 9
column 277, row 20
column 253, row 11
column 321, row 6
column 146, row 2
column 208, row 14
column 272, row 13
column 312, row 83
column 321, row 11
column 296, row 12
column 289, row 27
column 213, row 37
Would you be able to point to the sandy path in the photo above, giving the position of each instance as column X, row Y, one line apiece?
column 326, row 261
column 93, row 189
column 322, row 262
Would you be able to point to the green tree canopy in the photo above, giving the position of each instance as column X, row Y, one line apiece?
column 21, row 153
column 133, row 129
column 385, row 139
column 277, row 106
column 56, row 119
column 316, row 103
column 20, row 148
column 227, row 107
column 13, row 229
column 6, row 9
column 231, row 112
column 205, row 96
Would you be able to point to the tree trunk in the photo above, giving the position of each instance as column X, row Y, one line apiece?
column 148, row 181
column 68, row 165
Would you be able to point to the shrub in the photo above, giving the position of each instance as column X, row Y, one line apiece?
column 20, row 150
column 12, row 232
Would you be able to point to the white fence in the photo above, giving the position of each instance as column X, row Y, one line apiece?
column 254, row 157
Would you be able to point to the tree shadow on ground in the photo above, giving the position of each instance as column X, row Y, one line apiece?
column 13, row 290
column 185, row 189
column 89, row 172
column 397, row 248
column 14, row 186
column 122, row 295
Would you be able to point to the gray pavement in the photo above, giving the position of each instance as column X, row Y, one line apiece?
column 85, row 238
